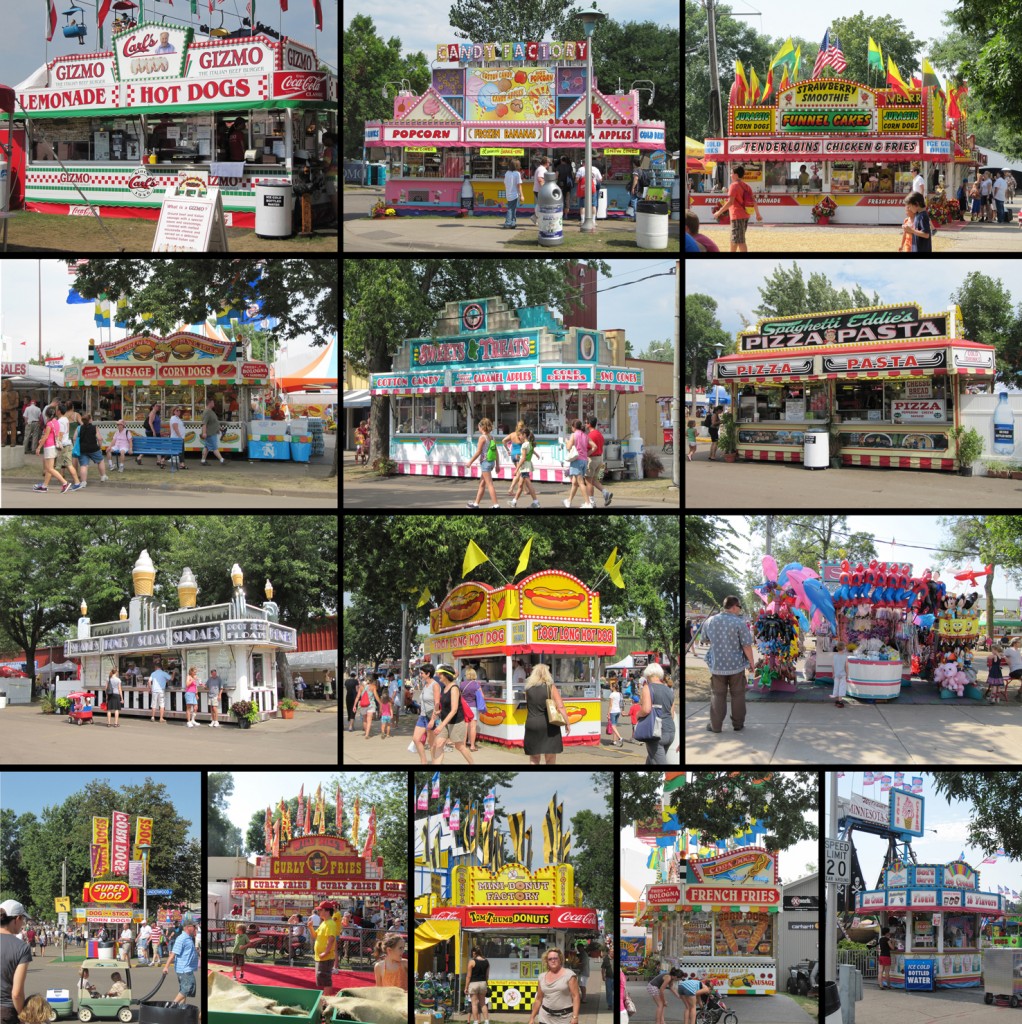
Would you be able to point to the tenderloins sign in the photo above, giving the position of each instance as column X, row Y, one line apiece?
column 845, row 327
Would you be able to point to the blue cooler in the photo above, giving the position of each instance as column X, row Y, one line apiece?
column 301, row 448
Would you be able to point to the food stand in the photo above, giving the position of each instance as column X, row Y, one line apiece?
column 122, row 379
column 249, row 111
column 237, row 639
column 549, row 612
column 502, row 365
column 856, row 145
column 516, row 915
column 891, row 380
column 935, row 912
column 503, row 101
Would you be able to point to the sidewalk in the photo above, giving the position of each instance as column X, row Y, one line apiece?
column 776, row 1009
column 961, row 1005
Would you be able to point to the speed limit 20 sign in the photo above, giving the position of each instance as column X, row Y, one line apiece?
column 838, row 857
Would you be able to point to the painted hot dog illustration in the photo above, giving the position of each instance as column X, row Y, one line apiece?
column 492, row 716
column 462, row 607
column 575, row 713
column 557, row 600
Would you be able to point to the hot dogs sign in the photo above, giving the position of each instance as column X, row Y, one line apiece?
column 551, row 594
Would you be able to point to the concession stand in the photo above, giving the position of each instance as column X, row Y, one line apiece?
column 515, row 915
column 450, row 147
column 890, row 382
column 936, row 915
column 122, row 379
column 238, row 639
column 502, row 365
column 729, row 919
column 859, row 146
column 244, row 112
column 508, row 628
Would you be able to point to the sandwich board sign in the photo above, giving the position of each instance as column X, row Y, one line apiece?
column 191, row 217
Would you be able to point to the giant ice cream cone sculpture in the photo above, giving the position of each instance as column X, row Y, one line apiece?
column 143, row 575
column 187, row 589
column 237, row 577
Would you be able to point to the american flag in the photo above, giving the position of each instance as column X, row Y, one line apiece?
column 830, row 53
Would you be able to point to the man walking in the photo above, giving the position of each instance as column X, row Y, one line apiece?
column 730, row 651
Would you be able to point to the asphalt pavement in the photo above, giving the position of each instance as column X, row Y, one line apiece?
column 756, row 484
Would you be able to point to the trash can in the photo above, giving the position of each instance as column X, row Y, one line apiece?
column 158, row 1013
column 601, row 204
column 273, row 209
column 651, row 225
column 3, row 698
column 816, row 450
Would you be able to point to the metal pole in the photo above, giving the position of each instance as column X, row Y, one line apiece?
column 588, row 224
column 676, row 404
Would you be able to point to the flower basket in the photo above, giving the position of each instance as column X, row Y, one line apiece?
column 824, row 210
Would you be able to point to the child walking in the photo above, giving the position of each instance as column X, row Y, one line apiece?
column 386, row 713
column 840, row 674
column 486, row 452
column 691, row 439
column 523, row 473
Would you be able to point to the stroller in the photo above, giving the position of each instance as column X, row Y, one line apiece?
column 81, row 708
column 715, row 1011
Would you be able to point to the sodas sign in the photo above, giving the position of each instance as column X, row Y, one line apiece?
column 107, row 892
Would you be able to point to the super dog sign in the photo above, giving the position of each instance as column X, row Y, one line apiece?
column 108, row 892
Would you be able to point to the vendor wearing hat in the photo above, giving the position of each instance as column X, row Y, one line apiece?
column 119, row 446
column 16, row 956
column 324, row 940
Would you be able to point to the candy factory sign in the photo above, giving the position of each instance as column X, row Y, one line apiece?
column 521, row 50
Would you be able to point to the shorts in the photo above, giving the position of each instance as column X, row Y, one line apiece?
column 212, row 443
column 49, row 452
column 422, row 722
column 594, row 471
column 86, row 458
column 384, row 719
column 738, row 226
column 577, row 467
column 118, row 451
column 159, row 699
column 478, row 988
column 63, row 457
column 186, row 983
column 884, row 961
column 455, row 732
column 486, row 466
column 191, row 698
column 615, row 715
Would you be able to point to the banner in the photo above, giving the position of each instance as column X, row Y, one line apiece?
column 100, row 846
column 121, row 843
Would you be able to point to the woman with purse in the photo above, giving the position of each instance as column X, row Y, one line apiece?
column 656, row 715
column 367, row 700
column 545, row 718
column 449, row 718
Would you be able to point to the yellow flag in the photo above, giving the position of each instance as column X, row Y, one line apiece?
column 523, row 558
column 473, row 557
column 614, row 570
column 424, row 598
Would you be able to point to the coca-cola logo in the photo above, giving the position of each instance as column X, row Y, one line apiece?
column 580, row 917
column 140, row 184
column 133, row 45
column 299, row 85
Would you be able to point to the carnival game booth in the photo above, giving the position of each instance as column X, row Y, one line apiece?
column 935, row 913
column 836, row 139
column 122, row 379
column 889, row 382
column 248, row 111
column 505, row 366
column 516, row 915
column 237, row 639
column 548, row 613
column 729, row 914
column 450, row 147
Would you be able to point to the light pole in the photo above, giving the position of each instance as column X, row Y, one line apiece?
column 589, row 21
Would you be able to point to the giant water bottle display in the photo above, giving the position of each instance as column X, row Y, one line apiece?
column 1004, row 427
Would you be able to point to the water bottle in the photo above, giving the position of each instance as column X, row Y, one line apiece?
column 1004, row 427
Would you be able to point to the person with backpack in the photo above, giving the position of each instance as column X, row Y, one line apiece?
column 739, row 197
column 486, row 452
column 637, row 186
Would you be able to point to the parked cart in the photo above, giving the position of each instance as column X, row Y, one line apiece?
column 1002, row 976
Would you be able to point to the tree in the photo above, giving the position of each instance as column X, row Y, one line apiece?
column 996, row 813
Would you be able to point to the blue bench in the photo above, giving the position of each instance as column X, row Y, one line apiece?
column 157, row 446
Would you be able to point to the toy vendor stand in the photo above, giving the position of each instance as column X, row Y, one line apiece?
column 730, row 913
column 516, row 915
column 506, row 630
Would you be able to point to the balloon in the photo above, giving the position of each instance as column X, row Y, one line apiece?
column 795, row 577
column 820, row 599
column 770, row 568
column 783, row 577
column 802, row 620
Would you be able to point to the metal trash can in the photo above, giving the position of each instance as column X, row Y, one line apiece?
column 273, row 209
column 816, row 450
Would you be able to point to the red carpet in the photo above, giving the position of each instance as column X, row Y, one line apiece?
column 301, row 977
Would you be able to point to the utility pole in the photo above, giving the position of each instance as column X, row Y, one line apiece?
column 676, row 404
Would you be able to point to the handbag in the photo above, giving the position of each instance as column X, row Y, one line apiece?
column 649, row 728
column 610, row 730
column 553, row 713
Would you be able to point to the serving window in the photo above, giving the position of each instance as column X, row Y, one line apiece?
column 87, row 138
column 783, row 403
column 925, row 400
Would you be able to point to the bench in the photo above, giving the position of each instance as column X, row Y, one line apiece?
column 157, row 446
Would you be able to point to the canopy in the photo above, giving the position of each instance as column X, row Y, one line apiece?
column 431, row 933
column 321, row 372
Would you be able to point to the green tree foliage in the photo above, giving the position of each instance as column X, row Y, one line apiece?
column 63, row 832
column 995, row 818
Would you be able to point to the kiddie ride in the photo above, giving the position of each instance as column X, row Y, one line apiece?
column 92, row 1002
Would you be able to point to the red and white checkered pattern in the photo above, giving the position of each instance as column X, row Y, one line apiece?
column 502, row 473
